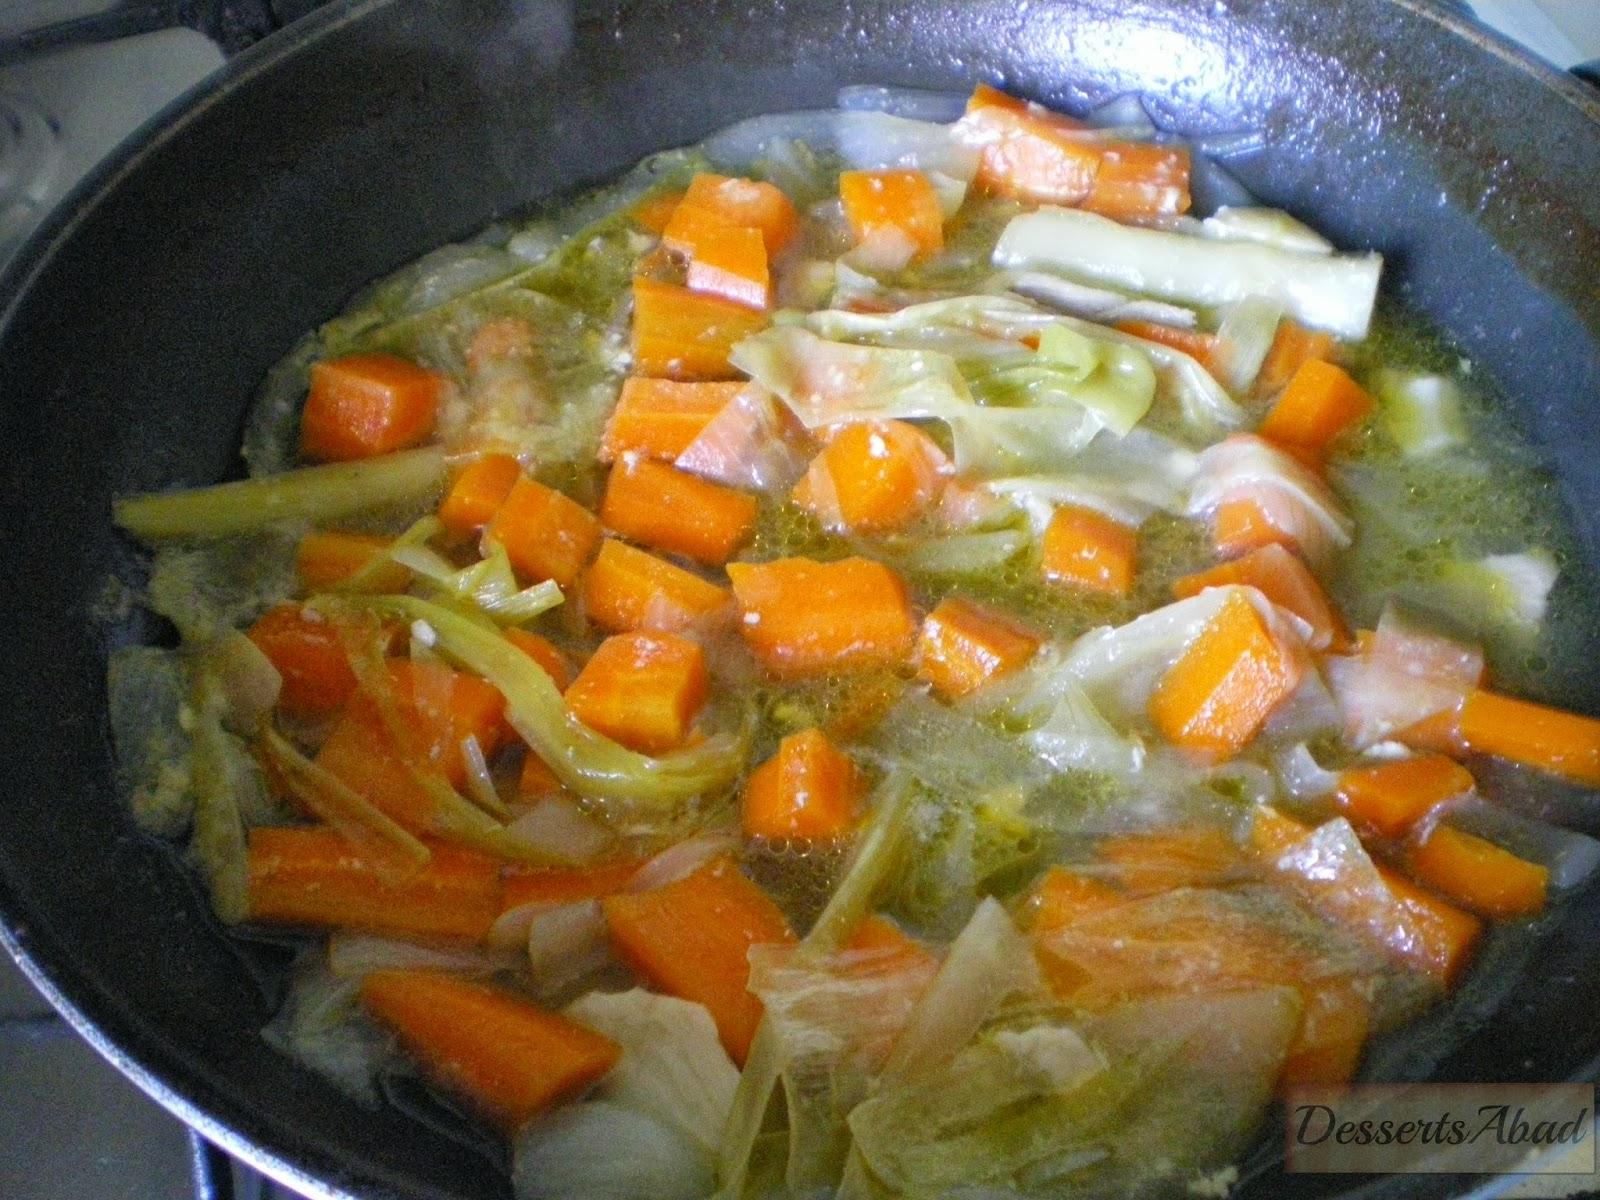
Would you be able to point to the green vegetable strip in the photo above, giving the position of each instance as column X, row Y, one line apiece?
column 324, row 493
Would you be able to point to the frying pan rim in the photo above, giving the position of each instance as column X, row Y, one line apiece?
column 197, row 1102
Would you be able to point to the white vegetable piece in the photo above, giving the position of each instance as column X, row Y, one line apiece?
column 1268, row 226
column 1335, row 292
column 1422, row 413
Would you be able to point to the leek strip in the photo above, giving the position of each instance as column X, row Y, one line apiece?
column 323, row 493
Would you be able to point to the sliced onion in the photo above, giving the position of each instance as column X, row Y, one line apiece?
column 567, row 943
column 1244, row 338
column 560, row 828
column 356, row 955
column 681, row 860
column 1302, row 776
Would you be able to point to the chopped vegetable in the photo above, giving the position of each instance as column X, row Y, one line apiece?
column 1320, row 402
column 1087, row 549
column 1422, row 413
column 750, row 203
column 316, row 877
column 642, row 690
column 364, row 405
column 873, row 477
column 964, row 646
column 309, row 655
column 1479, row 875
column 477, row 494
column 895, row 215
column 801, row 616
column 807, row 790
column 692, row 938
column 1202, row 347
column 546, row 534
column 661, row 418
column 671, row 510
column 656, row 209
column 1561, row 743
column 1255, row 495
column 725, row 259
column 508, row 1058
column 1293, row 345
column 544, row 652
column 627, row 588
column 755, row 442
column 325, row 561
column 563, row 885
column 1283, row 579
column 1402, row 674
column 1226, row 684
column 1391, row 797
column 681, row 334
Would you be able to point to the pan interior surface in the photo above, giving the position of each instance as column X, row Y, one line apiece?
column 143, row 321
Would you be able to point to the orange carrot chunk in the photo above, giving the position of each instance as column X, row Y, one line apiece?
column 628, row 588
column 671, row 510
column 438, row 709
column 1283, row 579
column 368, row 404
column 802, row 617
column 659, row 418
column 546, row 535
column 1087, row 549
column 1440, row 733
column 316, row 877
column 808, row 789
column 1446, row 937
column 656, row 209
column 682, row 334
column 1242, row 525
column 544, row 652
column 1561, row 743
column 509, row 1058
column 1161, row 860
column 725, row 259
column 1292, row 347
column 899, row 205
column 1334, row 1023
column 1478, row 875
column 641, row 689
column 965, row 645
column 692, row 939
column 478, row 492
column 309, row 655
column 567, row 885
column 872, row 477
column 325, row 560
column 1389, row 798
column 1064, row 896
column 1320, row 403
column 1226, row 684
column 1202, row 347
column 747, row 202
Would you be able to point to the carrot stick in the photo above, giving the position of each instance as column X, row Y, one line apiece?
column 725, row 259
column 546, row 535
column 643, row 690
column 1561, row 743
column 1202, row 347
column 965, row 645
column 681, row 334
column 1160, row 861
column 1478, row 875
column 873, row 477
column 317, row 877
column 628, row 589
column 1320, row 403
column 1292, row 347
column 747, row 202
column 808, row 790
column 896, row 204
column 364, row 405
column 1219, row 693
column 803, row 617
column 324, row 561
column 509, row 1058
column 1283, row 579
column 478, row 492
column 309, row 655
column 692, row 939
column 660, row 418
column 668, row 509
column 1089, row 550
column 1389, row 798
column 566, row 885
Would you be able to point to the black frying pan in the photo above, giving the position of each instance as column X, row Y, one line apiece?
column 139, row 322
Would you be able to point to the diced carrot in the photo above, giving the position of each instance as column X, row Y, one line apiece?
column 316, row 877
column 1389, row 798
column 1446, row 937
column 566, row 885
column 873, row 477
column 544, row 652
column 627, row 588
column 681, row 334
column 537, row 781
column 1225, row 685
column 748, row 202
column 509, row 1058
column 1031, row 153
column 1242, row 525
column 1087, row 549
column 641, row 689
column 500, row 339
column 1478, row 875
column 1283, row 579
column 309, row 655
column 1272, row 832
column 325, row 560
column 671, row 510
column 899, row 204
column 1292, row 347
column 1159, row 861
column 368, row 404
column 879, row 934
column 1202, row 347
column 1334, row 1022
column 439, row 709
column 692, row 939
column 1440, row 733
column 1561, row 743
column 546, row 534
column 964, row 645
column 660, row 418
column 808, row 789
column 1063, row 896
column 478, row 492
column 802, row 616
column 725, row 260
column 656, row 209
column 1320, row 403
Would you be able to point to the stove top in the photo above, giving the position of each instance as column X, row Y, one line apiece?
column 76, row 78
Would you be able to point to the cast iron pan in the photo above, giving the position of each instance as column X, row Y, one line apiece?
column 137, row 325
